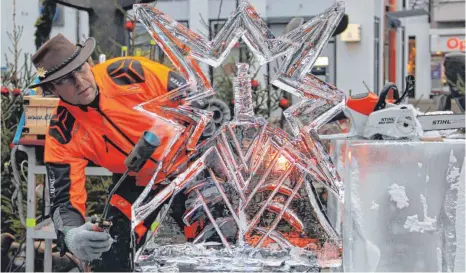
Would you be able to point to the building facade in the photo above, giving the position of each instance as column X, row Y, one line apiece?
column 430, row 29
column 349, row 64
column 385, row 39
column 395, row 38
column 447, row 34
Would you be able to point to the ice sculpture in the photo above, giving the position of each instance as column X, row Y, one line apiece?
column 251, row 183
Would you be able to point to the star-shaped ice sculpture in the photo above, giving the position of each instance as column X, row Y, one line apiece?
column 260, row 172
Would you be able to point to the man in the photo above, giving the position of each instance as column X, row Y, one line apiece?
column 95, row 122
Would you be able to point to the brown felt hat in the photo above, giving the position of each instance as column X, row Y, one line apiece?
column 59, row 56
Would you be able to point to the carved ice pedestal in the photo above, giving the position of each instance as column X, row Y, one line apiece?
column 404, row 205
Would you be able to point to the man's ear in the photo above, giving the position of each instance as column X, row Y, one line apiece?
column 90, row 61
column 53, row 91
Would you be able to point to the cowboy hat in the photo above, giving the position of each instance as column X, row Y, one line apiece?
column 58, row 57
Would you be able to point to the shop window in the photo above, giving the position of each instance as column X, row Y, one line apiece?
column 412, row 56
column 437, row 73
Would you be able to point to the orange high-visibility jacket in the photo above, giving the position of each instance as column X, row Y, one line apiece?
column 105, row 135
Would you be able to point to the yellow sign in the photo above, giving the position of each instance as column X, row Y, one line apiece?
column 30, row 222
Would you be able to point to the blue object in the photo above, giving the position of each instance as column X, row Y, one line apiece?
column 19, row 130
column 32, row 91
column 151, row 138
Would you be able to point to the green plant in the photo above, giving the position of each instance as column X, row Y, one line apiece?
column 459, row 85
column 44, row 22
column 97, row 193
column 16, row 78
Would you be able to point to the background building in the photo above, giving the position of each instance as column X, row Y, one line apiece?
column 447, row 34
column 345, row 63
column 390, row 39
column 385, row 39
column 429, row 29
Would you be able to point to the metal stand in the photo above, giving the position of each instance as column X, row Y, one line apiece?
column 44, row 231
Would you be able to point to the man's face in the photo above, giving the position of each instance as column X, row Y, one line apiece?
column 78, row 87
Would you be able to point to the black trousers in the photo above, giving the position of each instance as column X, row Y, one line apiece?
column 120, row 256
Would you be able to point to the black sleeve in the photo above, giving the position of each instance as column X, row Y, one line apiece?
column 64, row 215
column 62, row 211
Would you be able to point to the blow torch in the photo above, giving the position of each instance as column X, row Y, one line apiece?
column 138, row 157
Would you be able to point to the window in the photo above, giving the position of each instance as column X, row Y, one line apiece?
column 412, row 56
column 437, row 72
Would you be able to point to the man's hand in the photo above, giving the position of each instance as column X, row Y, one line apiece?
column 86, row 244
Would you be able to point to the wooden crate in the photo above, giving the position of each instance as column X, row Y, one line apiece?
column 38, row 111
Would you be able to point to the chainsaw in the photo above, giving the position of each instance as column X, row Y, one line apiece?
column 376, row 117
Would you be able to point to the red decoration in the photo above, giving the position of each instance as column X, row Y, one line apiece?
column 284, row 103
column 16, row 91
column 5, row 90
column 254, row 83
column 129, row 25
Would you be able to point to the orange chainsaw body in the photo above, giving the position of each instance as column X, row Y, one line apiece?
column 364, row 103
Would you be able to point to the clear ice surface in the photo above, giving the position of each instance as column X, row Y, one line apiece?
column 427, row 234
